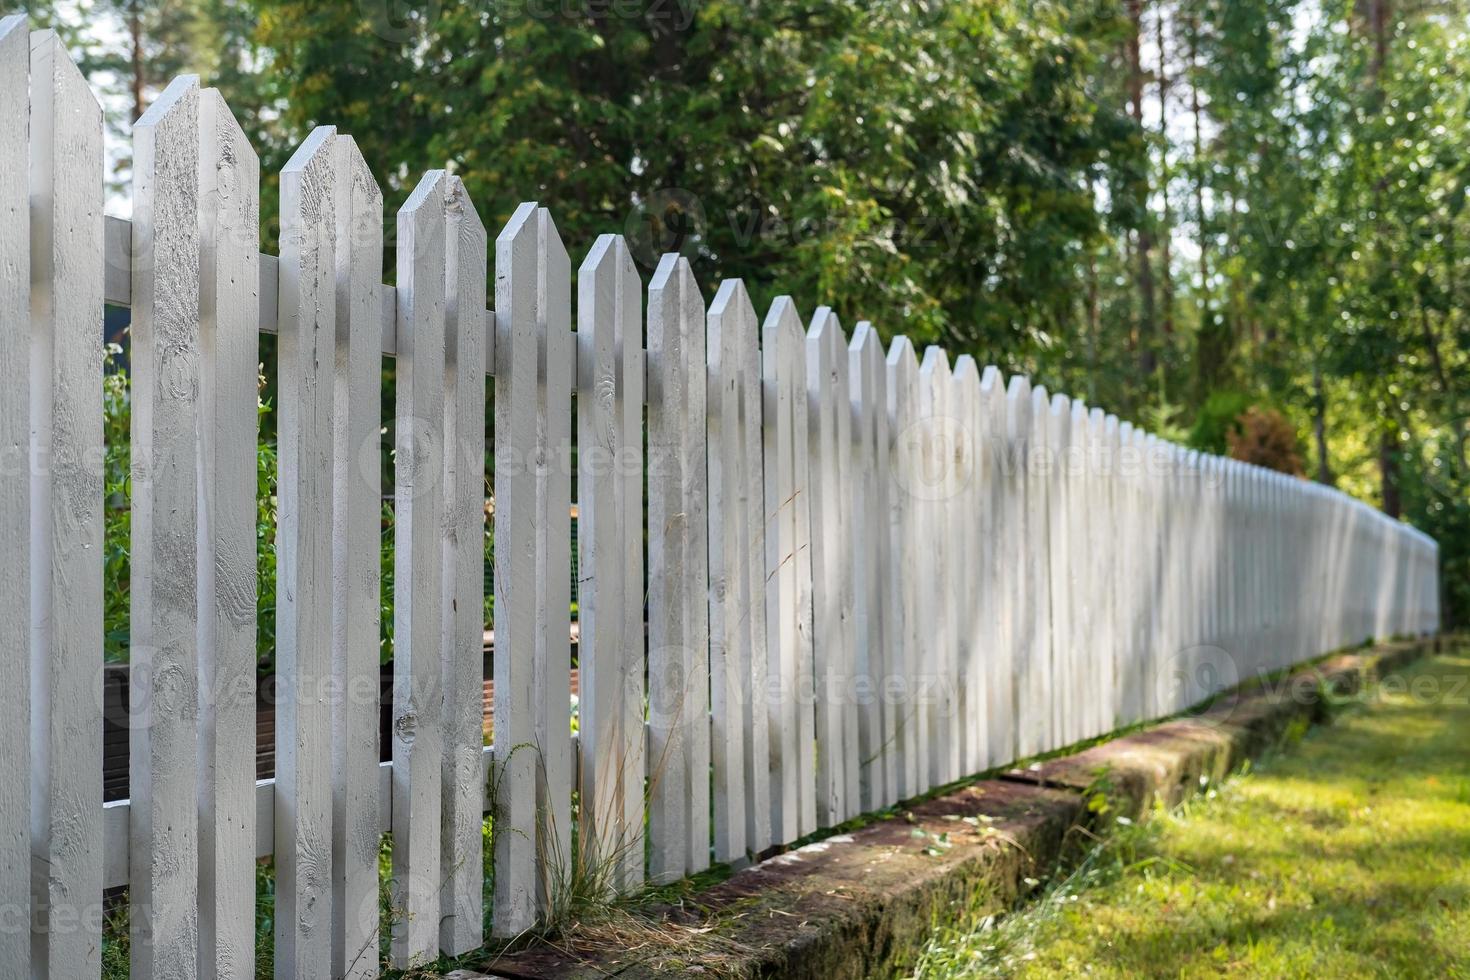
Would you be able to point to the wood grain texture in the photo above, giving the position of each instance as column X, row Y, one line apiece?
column 829, row 422
column 15, row 494
column 868, row 393
column 163, row 650
column 552, row 657
column 902, row 369
column 788, row 572
column 303, row 800
column 229, row 309
column 418, row 572
column 995, row 474
column 732, row 424
column 678, row 577
column 66, row 193
column 356, row 541
column 965, row 563
column 514, row 770
column 462, row 812
column 938, row 599
column 609, row 301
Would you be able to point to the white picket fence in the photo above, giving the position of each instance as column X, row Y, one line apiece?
column 868, row 574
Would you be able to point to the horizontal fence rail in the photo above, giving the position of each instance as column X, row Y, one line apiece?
column 815, row 574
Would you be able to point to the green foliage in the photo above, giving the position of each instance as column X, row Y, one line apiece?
column 1217, row 418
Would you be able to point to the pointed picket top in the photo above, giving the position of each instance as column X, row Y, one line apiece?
column 731, row 316
column 1018, row 405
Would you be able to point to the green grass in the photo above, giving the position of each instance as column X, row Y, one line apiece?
column 1346, row 854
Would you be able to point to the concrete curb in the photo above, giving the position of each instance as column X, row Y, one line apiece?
column 864, row 903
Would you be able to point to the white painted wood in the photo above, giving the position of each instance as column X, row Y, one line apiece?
column 462, row 668
column 782, row 356
column 229, row 303
column 418, row 574
column 356, row 541
column 1021, row 598
column 15, row 496
column 738, row 749
column 868, row 391
column 609, row 300
column 634, row 663
column 996, row 479
column 965, row 563
column 830, row 446
column 164, row 663
column 552, row 652
column 1063, row 558
column 938, row 597
column 678, row 612
column 904, row 525
column 303, row 800
column 66, row 513
column 514, row 776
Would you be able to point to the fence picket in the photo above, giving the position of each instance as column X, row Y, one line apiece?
column 303, row 802
column 356, row 541
column 678, row 611
column 733, row 425
column 418, row 574
column 609, row 308
column 787, row 568
column 163, row 845
column 229, row 310
column 869, row 394
column 904, row 528
column 514, row 778
column 1065, row 555
column 965, row 560
column 553, row 653
column 15, row 495
column 829, row 423
column 462, row 670
column 996, row 479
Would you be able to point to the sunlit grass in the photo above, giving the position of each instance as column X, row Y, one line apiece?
column 1346, row 855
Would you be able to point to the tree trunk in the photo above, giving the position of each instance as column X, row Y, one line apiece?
column 1147, row 328
column 1319, row 427
column 1388, row 471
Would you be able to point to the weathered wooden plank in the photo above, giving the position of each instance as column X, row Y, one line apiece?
column 997, row 477
column 829, row 421
column 755, row 666
column 1021, row 596
column 965, row 560
column 678, row 577
column 1065, row 556
column 66, row 513
column 868, row 393
column 303, row 801
column 937, row 596
column 902, row 380
column 513, row 773
column 356, row 542
column 787, row 567
column 418, row 573
column 229, row 304
column 731, row 346
column 462, row 842
column 15, row 496
column 552, row 657
column 609, row 297
column 164, row 667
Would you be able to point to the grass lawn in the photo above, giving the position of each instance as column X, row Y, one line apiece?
column 1346, row 854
